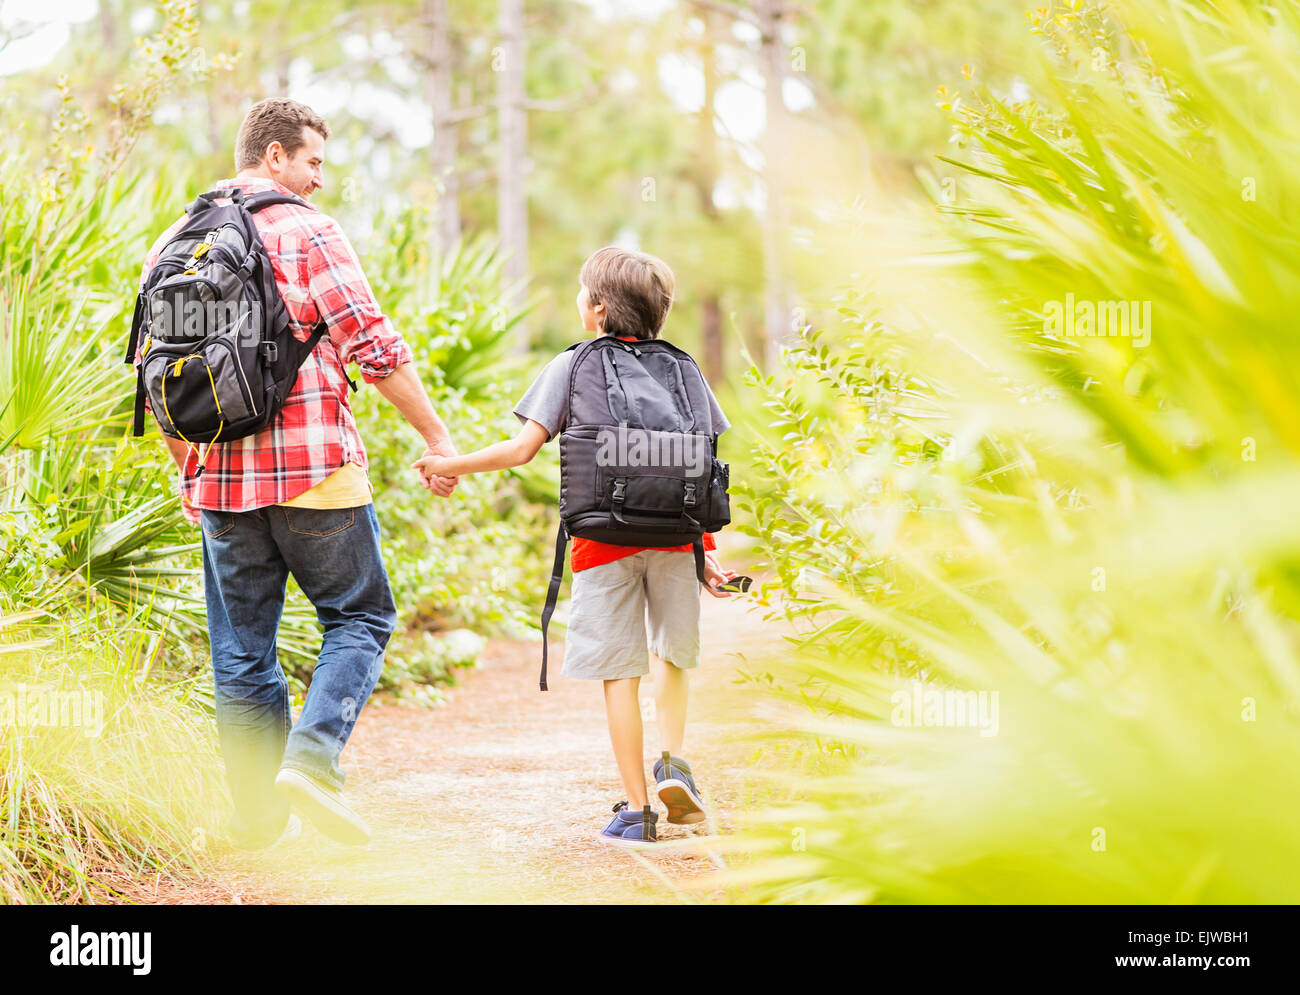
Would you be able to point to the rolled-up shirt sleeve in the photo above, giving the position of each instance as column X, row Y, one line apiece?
column 343, row 298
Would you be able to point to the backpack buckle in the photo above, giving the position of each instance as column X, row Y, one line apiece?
column 202, row 248
column 269, row 350
column 620, row 490
column 690, row 492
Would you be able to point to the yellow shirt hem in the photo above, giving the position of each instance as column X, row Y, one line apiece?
column 346, row 487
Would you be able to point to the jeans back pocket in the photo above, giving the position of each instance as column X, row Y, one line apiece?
column 319, row 522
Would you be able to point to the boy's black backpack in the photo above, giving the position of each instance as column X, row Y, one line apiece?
column 638, row 454
column 219, row 357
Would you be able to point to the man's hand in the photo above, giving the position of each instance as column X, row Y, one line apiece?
column 402, row 389
column 715, row 575
column 430, row 467
column 430, row 480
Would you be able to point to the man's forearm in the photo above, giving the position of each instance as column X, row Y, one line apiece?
column 402, row 389
column 179, row 451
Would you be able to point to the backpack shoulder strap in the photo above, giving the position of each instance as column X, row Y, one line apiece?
column 252, row 204
column 677, row 351
column 697, row 547
column 209, row 199
column 259, row 201
column 579, row 349
column 553, row 591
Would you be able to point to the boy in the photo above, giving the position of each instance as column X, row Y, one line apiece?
column 617, row 590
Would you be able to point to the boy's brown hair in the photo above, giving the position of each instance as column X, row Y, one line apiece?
column 275, row 119
column 635, row 287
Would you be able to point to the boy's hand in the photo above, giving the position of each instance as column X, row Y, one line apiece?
column 430, row 466
column 715, row 575
column 430, row 479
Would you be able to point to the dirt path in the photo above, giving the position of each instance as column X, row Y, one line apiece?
column 497, row 795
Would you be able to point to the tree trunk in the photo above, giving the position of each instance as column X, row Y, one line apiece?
column 445, row 138
column 108, row 28
column 512, row 201
column 776, row 216
column 706, row 179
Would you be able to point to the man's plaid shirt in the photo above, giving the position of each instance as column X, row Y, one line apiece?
column 315, row 433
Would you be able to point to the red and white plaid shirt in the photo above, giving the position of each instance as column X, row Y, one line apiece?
column 315, row 432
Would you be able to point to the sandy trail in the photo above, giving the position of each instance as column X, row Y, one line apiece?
column 498, row 794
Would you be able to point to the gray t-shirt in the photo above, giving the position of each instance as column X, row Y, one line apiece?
column 547, row 400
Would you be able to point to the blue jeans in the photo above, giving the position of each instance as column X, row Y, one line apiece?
column 334, row 556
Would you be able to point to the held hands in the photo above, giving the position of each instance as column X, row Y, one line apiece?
column 430, row 478
column 430, row 466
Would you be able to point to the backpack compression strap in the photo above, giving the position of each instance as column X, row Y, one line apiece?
column 133, row 343
column 553, row 592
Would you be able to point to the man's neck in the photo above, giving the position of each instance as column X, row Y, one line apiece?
column 254, row 173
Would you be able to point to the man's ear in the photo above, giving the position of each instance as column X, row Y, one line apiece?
column 273, row 152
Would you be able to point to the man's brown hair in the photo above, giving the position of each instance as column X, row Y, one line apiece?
column 275, row 119
column 635, row 287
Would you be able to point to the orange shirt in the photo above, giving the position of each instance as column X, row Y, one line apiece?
column 590, row 553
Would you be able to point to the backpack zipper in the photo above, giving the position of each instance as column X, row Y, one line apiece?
column 200, row 251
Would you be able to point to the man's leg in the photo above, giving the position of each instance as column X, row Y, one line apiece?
column 243, row 584
column 335, row 556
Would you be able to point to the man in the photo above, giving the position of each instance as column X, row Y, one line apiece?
column 294, row 498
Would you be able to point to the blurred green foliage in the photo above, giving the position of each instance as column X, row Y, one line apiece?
column 1096, row 530
column 952, row 495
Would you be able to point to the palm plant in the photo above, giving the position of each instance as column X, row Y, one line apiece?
column 97, row 569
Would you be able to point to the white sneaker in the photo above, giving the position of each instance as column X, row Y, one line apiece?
column 327, row 809
column 291, row 831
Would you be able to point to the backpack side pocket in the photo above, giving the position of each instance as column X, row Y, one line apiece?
column 719, row 512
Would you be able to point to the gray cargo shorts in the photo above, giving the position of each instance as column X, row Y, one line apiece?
column 617, row 610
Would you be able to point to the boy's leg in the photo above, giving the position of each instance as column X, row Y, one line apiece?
column 243, row 584
column 673, row 621
column 606, row 641
column 623, row 710
column 672, row 595
column 671, row 691
column 334, row 555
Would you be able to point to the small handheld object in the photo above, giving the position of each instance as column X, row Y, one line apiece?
column 736, row 585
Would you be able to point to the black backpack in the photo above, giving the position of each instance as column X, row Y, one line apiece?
column 638, row 454
column 219, row 357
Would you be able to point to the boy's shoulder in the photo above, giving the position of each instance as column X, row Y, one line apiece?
column 557, row 365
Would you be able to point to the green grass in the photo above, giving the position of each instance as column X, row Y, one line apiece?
column 109, row 781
